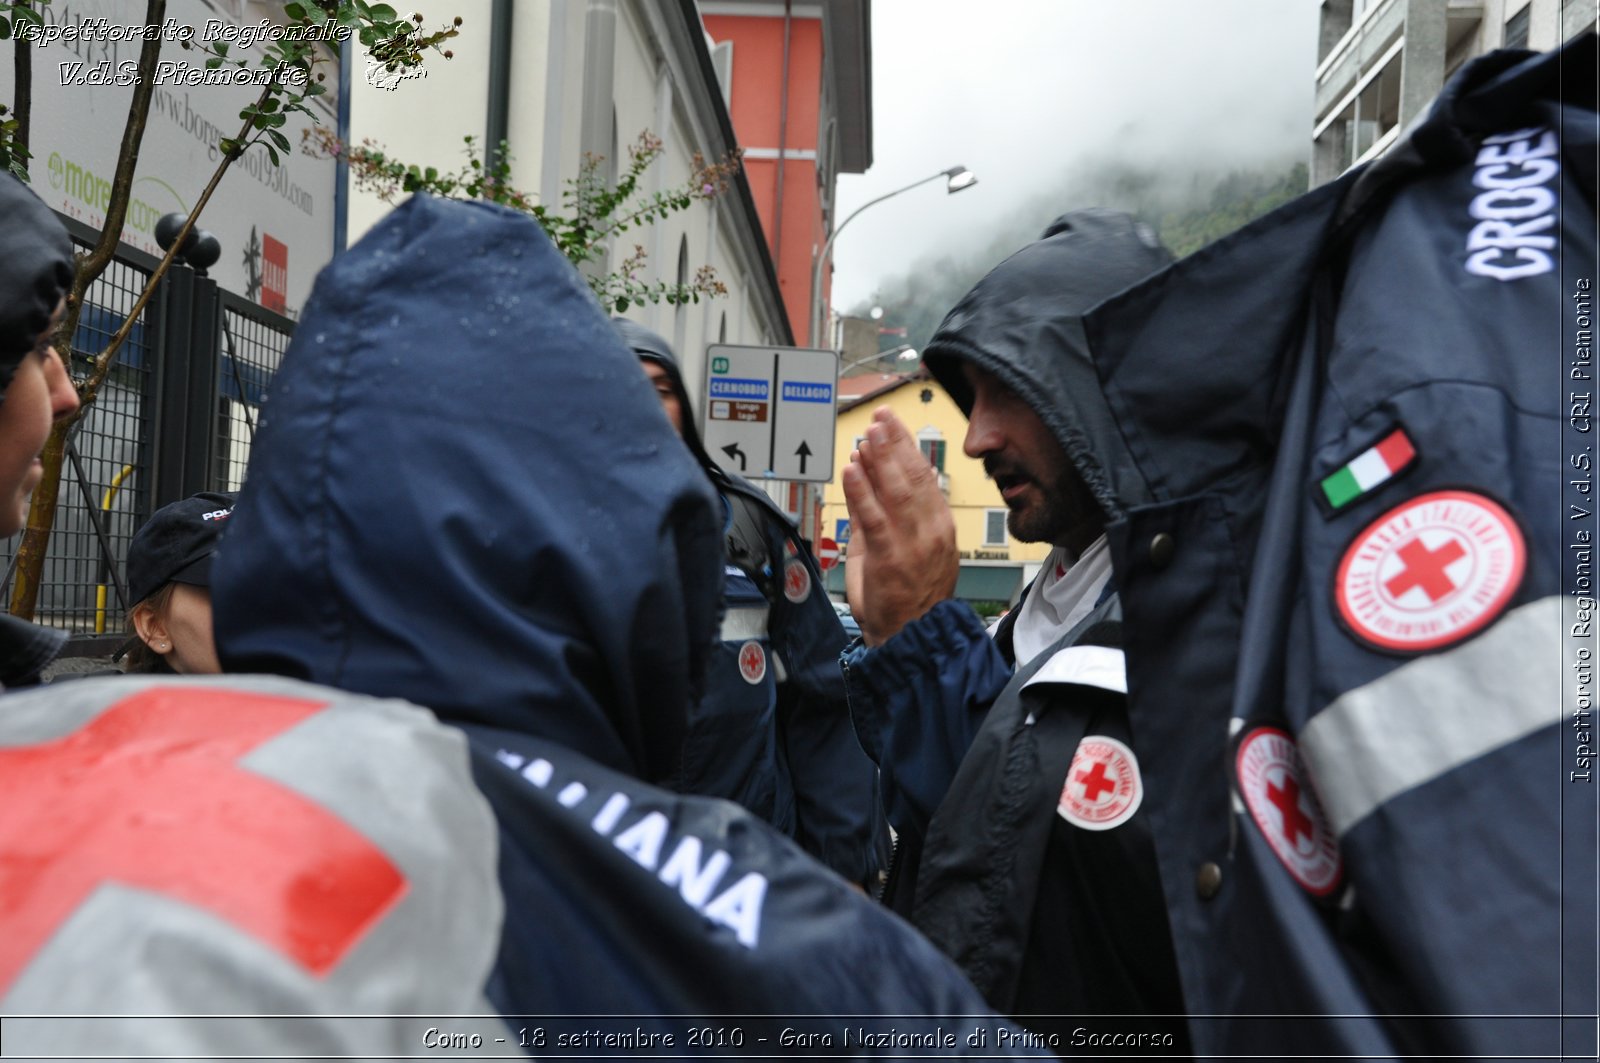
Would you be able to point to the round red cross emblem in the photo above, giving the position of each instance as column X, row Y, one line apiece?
column 1103, row 788
column 1430, row 572
column 1272, row 783
column 796, row 581
column 752, row 662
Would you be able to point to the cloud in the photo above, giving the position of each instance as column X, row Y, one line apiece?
column 1030, row 92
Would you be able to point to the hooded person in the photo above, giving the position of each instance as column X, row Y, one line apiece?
column 1017, row 869
column 1350, row 543
column 35, row 276
column 427, row 518
column 772, row 730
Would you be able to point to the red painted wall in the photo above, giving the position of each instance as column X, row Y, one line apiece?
column 757, row 105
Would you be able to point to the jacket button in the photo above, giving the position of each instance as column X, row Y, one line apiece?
column 1208, row 881
column 1162, row 547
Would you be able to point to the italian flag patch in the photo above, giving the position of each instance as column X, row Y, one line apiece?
column 1373, row 466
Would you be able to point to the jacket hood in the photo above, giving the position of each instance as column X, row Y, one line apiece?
column 464, row 493
column 35, row 271
column 1024, row 324
column 650, row 346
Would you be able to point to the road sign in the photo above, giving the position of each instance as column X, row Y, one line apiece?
column 827, row 554
column 841, row 530
column 770, row 411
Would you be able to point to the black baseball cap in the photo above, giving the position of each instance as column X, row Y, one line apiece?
column 176, row 544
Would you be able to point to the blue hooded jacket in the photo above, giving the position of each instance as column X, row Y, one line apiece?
column 462, row 473
column 464, row 494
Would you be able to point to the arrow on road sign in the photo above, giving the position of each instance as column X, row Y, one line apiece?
column 733, row 451
column 803, row 451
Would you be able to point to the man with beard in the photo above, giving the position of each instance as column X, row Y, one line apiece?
column 1007, row 763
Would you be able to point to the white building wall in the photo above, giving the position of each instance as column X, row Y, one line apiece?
column 423, row 121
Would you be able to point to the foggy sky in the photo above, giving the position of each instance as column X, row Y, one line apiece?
column 1024, row 92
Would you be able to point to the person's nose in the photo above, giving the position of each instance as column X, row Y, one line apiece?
column 63, row 396
column 984, row 433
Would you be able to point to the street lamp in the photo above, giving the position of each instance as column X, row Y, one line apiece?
column 957, row 178
column 905, row 357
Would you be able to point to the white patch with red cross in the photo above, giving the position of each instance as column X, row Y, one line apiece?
column 1430, row 572
column 1272, row 782
column 1103, row 787
column 796, row 581
column 752, row 662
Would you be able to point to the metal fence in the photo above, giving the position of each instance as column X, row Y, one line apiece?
column 177, row 415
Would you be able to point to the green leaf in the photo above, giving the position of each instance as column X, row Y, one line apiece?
column 622, row 304
column 228, row 145
column 295, row 11
column 279, row 139
column 213, row 63
column 221, row 47
column 31, row 15
column 382, row 13
column 272, row 153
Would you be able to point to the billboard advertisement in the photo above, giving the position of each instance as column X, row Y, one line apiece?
column 275, row 222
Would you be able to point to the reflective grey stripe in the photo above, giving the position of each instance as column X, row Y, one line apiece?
column 744, row 623
column 1089, row 666
column 1433, row 714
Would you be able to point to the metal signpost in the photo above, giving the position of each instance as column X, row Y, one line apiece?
column 770, row 411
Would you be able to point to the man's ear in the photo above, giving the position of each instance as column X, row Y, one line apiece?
column 152, row 628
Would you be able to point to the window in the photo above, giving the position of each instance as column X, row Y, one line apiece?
column 994, row 527
column 1517, row 29
column 931, row 442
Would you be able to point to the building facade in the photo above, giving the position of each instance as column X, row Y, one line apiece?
column 994, row 566
column 1382, row 62
column 801, row 96
column 562, row 79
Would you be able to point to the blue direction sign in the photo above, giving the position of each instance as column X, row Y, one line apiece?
column 770, row 411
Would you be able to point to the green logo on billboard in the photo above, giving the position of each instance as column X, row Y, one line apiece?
column 719, row 365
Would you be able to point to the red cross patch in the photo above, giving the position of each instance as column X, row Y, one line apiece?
column 150, row 794
column 796, row 581
column 1103, row 788
column 1272, row 784
column 1430, row 572
column 752, row 662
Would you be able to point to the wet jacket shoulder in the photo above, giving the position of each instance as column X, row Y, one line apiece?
column 1356, row 423
column 301, row 851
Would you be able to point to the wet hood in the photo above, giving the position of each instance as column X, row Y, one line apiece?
column 464, row 493
column 1024, row 324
